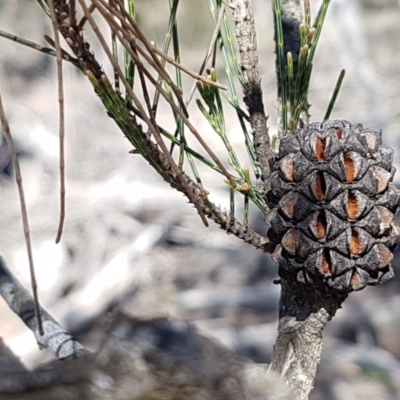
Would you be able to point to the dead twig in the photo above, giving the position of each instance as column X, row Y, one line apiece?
column 18, row 178
column 62, row 118
column 127, row 38
column 129, row 23
column 153, row 128
column 187, row 70
column 210, row 50
column 87, row 62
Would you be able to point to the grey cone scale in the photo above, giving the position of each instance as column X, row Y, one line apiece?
column 333, row 204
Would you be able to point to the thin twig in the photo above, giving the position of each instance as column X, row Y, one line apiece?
column 153, row 128
column 169, row 35
column 187, row 70
column 157, row 155
column 72, row 12
column 131, row 23
column 54, row 338
column 210, row 50
column 62, row 119
column 83, row 21
column 18, row 177
column 145, row 92
column 33, row 45
column 115, row 55
column 168, row 98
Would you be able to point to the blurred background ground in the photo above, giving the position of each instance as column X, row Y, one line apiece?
column 132, row 243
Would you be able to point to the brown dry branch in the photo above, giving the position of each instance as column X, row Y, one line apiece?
column 136, row 31
column 152, row 127
column 62, row 119
column 87, row 62
column 188, row 71
column 158, row 66
column 18, row 177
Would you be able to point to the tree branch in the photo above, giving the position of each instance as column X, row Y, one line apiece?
column 158, row 159
column 234, row 227
column 245, row 32
column 303, row 313
column 24, row 214
column 55, row 338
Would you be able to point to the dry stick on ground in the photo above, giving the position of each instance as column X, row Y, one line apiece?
column 62, row 119
column 54, row 338
column 18, row 177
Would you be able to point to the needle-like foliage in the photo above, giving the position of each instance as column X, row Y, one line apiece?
column 145, row 69
column 294, row 77
column 146, row 78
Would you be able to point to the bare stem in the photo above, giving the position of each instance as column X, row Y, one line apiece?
column 245, row 31
column 153, row 128
column 303, row 313
column 18, row 177
column 62, row 118
column 210, row 50
column 187, row 70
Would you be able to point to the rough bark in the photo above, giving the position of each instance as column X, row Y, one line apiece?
column 245, row 31
column 55, row 338
column 303, row 313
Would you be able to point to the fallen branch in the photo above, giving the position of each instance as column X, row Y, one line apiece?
column 55, row 338
column 25, row 223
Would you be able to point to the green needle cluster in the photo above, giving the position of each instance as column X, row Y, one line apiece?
column 295, row 82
